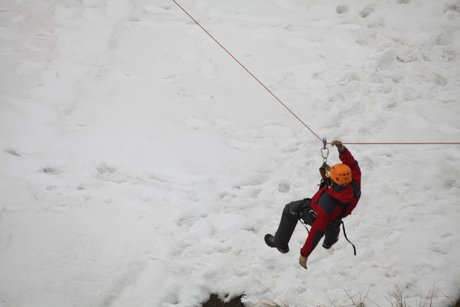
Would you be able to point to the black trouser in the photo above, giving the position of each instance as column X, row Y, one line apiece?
column 332, row 233
column 301, row 209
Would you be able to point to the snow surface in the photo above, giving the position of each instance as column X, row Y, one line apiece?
column 141, row 166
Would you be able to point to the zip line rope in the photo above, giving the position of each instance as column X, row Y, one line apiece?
column 323, row 140
column 248, row 71
column 397, row 143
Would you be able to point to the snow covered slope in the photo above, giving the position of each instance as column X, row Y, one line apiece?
column 141, row 166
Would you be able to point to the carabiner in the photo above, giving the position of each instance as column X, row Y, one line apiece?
column 324, row 151
column 324, row 154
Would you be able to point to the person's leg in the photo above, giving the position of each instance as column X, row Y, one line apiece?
column 286, row 227
column 288, row 222
column 332, row 234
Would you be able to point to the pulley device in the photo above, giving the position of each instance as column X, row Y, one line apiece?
column 325, row 168
column 324, row 151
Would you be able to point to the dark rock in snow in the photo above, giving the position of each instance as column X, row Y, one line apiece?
column 215, row 301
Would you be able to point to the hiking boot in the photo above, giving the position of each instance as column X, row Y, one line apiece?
column 328, row 245
column 270, row 241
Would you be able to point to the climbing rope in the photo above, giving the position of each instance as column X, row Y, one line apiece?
column 401, row 143
column 324, row 150
column 248, row 71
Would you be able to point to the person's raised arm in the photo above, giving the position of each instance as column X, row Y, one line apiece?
column 347, row 158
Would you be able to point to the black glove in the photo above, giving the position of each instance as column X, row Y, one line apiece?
column 339, row 145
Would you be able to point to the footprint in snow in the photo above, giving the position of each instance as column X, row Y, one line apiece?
column 453, row 7
column 341, row 9
column 186, row 222
column 104, row 169
column 49, row 170
column 111, row 174
column 13, row 153
column 283, row 187
column 386, row 59
column 367, row 11
column 439, row 250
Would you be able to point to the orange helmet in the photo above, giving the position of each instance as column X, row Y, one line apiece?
column 341, row 174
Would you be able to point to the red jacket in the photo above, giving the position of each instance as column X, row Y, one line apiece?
column 332, row 203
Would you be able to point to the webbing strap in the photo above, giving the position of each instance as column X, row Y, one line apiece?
column 345, row 234
column 304, row 225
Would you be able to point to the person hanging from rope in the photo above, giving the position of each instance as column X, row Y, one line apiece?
column 338, row 195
